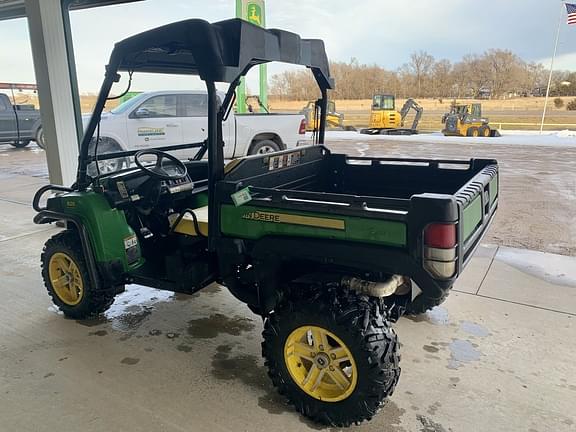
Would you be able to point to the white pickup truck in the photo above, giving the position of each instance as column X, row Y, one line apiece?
column 154, row 119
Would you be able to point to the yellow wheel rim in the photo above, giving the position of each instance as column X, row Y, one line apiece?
column 66, row 279
column 320, row 364
column 475, row 133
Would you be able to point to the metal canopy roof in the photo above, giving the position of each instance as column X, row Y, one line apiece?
column 218, row 52
column 11, row 9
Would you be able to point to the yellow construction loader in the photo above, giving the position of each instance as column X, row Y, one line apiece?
column 385, row 120
column 334, row 119
column 466, row 120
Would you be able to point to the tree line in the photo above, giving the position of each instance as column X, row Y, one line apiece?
column 494, row 74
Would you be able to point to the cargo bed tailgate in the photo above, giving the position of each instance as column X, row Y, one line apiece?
column 477, row 203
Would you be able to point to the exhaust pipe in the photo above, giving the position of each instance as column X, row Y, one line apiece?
column 396, row 284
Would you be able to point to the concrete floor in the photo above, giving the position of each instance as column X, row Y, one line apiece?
column 497, row 356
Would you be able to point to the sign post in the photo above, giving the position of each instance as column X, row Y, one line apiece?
column 254, row 12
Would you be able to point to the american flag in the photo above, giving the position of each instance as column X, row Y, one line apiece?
column 571, row 13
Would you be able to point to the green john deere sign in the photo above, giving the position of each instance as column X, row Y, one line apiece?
column 253, row 11
column 254, row 14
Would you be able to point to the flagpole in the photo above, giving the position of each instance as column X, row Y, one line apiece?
column 552, row 66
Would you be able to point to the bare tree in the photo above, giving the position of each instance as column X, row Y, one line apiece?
column 498, row 73
column 420, row 65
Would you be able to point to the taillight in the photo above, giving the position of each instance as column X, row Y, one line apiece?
column 302, row 129
column 440, row 235
column 440, row 250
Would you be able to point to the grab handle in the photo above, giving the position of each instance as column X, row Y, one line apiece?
column 43, row 190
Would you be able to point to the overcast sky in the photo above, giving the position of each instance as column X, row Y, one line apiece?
column 374, row 31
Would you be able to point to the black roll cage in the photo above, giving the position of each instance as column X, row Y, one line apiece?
column 220, row 52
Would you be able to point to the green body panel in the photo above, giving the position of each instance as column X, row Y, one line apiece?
column 234, row 223
column 493, row 187
column 199, row 200
column 107, row 227
column 472, row 217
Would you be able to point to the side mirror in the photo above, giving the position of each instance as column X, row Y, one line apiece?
column 142, row 112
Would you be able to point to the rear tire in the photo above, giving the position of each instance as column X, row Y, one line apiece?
column 40, row 138
column 484, row 131
column 263, row 147
column 65, row 275
column 353, row 326
column 423, row 304
column 20, row 144
column 106, row 145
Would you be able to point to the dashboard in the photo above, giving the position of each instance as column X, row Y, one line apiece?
column 135, row 186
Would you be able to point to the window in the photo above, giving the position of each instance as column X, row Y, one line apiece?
column 159, row 106
column 194, row 105
column 3, row 104
column 383, row 102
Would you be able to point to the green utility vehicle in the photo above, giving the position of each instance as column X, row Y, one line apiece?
column 329, row 249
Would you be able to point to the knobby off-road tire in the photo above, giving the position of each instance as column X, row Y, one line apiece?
column 422, row 304
column 63, row 261
column 353, row 323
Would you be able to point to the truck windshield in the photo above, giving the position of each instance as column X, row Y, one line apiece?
column 125, row 106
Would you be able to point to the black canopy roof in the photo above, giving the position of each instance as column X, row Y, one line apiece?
column 218, row 52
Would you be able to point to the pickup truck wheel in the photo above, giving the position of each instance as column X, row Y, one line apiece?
column 20, row 144
column 40, row 138
column 422, row 304
column 264, row 146
column 65, row 275
column 334, row 357
column 107, row 145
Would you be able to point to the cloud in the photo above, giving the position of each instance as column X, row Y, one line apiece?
column 373, row 31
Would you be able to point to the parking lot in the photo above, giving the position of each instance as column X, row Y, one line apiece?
column 497, row 356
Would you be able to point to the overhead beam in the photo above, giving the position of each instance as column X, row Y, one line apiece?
column 17, row 8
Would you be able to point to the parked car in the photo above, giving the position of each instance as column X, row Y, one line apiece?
column 179, row 117
column 19, row 124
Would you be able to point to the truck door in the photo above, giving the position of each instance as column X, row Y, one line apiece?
column 155, row 123
column 193, row 108
column 8, row 126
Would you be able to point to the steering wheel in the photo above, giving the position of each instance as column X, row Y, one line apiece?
column 158, row 170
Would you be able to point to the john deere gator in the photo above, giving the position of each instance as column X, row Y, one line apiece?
column 328, row 248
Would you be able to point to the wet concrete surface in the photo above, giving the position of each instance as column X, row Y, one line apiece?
column 537, row 187
column 496, row 356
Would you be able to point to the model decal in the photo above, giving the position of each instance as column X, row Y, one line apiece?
column 283, row 218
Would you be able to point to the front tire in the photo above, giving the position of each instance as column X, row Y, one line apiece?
column 472, row 132
column 65, row 275
column 20, row 144
column 334, row 356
